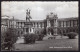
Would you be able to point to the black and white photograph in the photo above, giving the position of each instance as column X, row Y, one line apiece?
column 39, row 26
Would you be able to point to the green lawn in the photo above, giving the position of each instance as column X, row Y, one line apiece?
column 50, row 45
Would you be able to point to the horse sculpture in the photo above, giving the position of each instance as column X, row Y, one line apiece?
column 28, row 17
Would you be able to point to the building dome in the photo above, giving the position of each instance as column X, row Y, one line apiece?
column 52, row 15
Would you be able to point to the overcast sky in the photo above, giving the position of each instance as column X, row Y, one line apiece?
column 39, row 9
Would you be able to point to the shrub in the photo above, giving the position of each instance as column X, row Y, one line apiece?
column 10, row 38
column 71, row 35
column 2, row 40
column 11, row 34
column 30, row 38
column 65, row 34
column 40, row 37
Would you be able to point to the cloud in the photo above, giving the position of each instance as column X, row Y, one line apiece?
column 66, row 11
column 39, row 10
column 38, row 13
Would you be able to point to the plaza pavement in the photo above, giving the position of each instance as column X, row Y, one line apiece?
column 59, row 44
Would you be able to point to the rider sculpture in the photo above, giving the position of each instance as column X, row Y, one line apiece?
column 28, row 17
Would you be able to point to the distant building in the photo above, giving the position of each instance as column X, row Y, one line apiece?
column 4, row 24
column 59, row 26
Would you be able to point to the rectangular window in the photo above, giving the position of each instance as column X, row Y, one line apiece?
column 75, row 23
column 35, row 24
column 22, row 24
column 41, row 25
column 71, row 23
column 64, row 23
column 68, row 23
column 61, row 23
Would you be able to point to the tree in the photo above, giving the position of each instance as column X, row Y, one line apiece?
column 10, row 38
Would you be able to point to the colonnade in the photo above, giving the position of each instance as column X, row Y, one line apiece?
column 38, row 24
column 70, row 23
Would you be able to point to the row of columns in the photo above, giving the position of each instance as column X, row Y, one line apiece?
column 34, row 25
column 49, row 23
column 62, row 31
column 20, row 24
column 38, row 25
column 30, row 30
column 71, row 23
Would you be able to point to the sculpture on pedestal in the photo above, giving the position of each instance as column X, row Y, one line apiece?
column 28, row 17
column 28, row 24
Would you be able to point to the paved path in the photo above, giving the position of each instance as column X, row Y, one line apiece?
column 58, row 37
column 20, row 40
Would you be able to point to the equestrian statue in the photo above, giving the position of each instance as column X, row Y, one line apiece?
column 28, row 17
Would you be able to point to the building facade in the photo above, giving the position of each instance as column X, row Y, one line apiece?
column 59, row 26
column 4, row 24
column 66, row 25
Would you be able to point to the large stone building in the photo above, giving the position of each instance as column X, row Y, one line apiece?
column 66, row 25
column 59, row 26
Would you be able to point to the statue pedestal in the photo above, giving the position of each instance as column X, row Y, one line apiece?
column 27, row 27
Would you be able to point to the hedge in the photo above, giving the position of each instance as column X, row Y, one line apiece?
column 30, row 38
column 72, row 35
